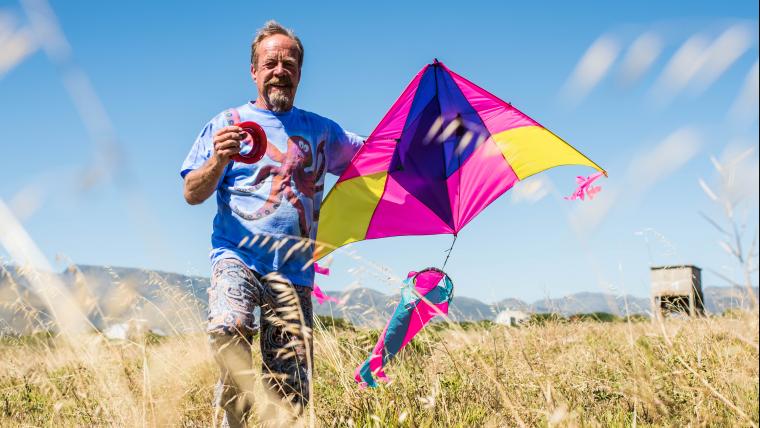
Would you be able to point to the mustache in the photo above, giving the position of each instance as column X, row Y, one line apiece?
column 279, row 81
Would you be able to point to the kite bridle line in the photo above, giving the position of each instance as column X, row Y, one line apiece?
column 448, row 253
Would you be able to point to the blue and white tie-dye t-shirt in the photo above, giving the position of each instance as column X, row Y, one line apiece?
column 279, row 196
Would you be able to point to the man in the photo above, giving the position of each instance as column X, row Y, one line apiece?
column 267, row 212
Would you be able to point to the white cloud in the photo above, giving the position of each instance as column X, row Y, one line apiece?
column 681, row 68
column 45, row 25
column 698, row 64
column 592, row 68
column 745, row 106
column 27, row 201
column 531, row 190
column 640, row 57
column 723, row 52
column 15, row 43
column 667, row 157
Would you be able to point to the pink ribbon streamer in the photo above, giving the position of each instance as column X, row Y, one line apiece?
column 584, row 187
column 317, row 292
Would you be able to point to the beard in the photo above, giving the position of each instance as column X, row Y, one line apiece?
column 280, row 100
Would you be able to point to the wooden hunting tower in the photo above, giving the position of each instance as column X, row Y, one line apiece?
column 677, row 289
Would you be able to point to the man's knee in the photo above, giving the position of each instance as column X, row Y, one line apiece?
column 221, row 341
column 232, row 297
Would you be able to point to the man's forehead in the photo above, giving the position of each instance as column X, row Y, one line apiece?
column 277, row 45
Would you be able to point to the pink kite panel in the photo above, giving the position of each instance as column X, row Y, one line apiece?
column 398, row 213
column 421, row 316
column 375, row 157
column 485, row 176
column 497, row 115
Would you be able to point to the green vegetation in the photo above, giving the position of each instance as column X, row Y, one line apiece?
column 595, row 316
column 333, row 323
column 544, row 318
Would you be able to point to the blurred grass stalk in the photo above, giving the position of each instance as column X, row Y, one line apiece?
column 731, row 194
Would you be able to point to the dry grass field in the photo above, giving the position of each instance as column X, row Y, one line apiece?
column 700, row 372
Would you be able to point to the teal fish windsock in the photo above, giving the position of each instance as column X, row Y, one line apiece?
column 424, row 295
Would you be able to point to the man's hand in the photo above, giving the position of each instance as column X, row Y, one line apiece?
column 227, row 143
column 201, row 183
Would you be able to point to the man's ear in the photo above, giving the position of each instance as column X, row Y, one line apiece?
column 253, row 72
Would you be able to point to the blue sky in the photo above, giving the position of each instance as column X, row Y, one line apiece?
column 160, row 70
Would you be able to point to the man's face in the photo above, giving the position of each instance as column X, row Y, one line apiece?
column 278, row 72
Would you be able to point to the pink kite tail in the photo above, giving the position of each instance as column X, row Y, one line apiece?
column 317, row 292
column 321, row 296
column 584, row 187
column 321, row 270
column 592, row 191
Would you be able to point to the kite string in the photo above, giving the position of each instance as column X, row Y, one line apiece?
column 448, row 252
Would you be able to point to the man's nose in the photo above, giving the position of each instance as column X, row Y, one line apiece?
column 280, row 69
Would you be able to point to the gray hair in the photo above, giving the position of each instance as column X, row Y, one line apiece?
column 271, row 28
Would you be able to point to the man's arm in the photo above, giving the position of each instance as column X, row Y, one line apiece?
column 201, row 183
column 341, row 149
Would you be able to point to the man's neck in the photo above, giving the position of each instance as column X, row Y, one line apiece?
column 260, row 103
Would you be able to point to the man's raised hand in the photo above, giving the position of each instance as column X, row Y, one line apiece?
column 227, row 143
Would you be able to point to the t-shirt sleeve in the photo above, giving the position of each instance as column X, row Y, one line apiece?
column 341, row 148
column 201, row 150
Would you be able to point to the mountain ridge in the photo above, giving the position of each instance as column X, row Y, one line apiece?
column 177, row 302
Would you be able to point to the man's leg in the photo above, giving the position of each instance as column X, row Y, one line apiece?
column 233, row 294
column 286, row 340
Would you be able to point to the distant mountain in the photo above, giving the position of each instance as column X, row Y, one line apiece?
column 583, row 302
column 469, row 309
column 513, row 304
column 717, row 301
column 21, row 310
column 172, row 302
column 721, row 299
column 360, row 306
column 587, row 302
column 177, row 303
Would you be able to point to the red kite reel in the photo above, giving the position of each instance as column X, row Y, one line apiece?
column 256, row 138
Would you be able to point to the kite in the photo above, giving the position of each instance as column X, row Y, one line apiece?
column 443, row 152
column 424, row 295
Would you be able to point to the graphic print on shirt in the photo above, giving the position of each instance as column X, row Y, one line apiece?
column 288, row 178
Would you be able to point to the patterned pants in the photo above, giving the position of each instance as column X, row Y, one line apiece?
column 286, row 317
